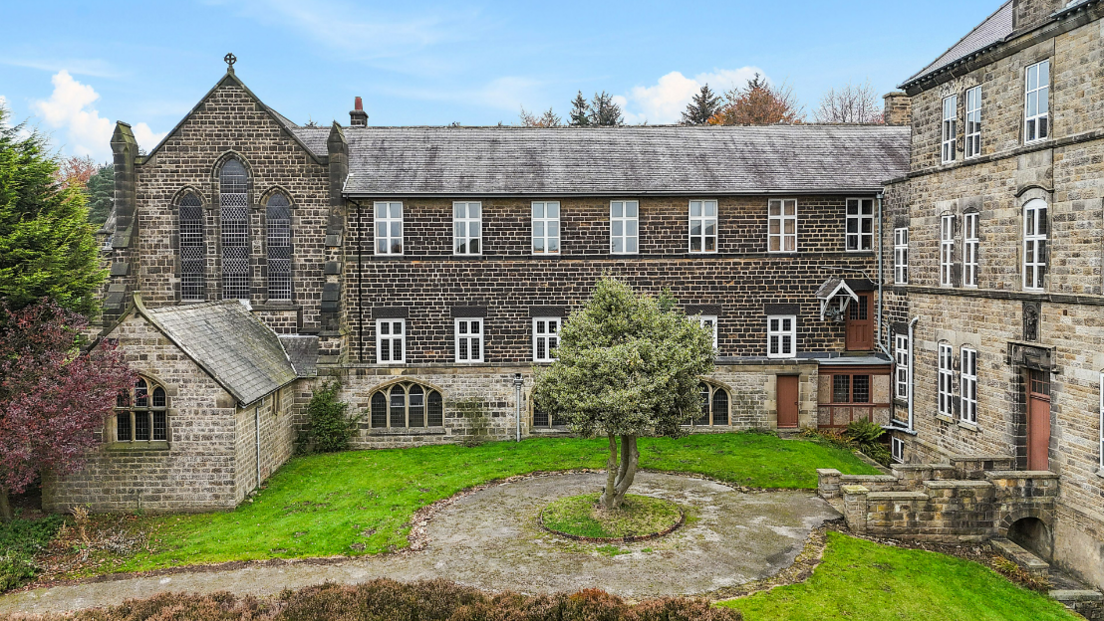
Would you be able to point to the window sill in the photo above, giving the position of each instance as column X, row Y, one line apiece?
column 408, row 431
column 944, row 418
column 900, row 402
column 138, row 446
column 969, row 426
column 1100, row 473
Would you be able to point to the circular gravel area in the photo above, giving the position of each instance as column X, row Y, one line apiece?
column 491, row 540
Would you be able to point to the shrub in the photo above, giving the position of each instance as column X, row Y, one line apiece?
column 20, row 541
column 428, row 600
column 866, row 434
column 331, row 428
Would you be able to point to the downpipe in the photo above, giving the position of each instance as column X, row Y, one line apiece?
column 911, row 365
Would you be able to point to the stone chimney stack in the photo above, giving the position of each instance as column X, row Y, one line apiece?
column 358, row 117
column 1029, row 14
column 898, row 109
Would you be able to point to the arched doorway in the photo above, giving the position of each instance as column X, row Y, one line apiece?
column 1032, row 534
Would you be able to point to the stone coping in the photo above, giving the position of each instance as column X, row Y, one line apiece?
column 406, row 431
column 915, row 467
column 897, row 496
column 1076, row 595
column 869, row 478
column 969, row 483
column 1021, row 474
column 629, row 539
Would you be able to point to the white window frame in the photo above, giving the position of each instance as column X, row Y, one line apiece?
column 946, row 250
column 702, row 242
column 945, row 380
column 465, row 220
column 949, row 129
column 386, row 342
column 464, row 339
column 545, row 227
column 711, row 321
column 897, row 449
column 549, row 338
column 776, row 329
column 1039, row 93
column 901, row 256
column 780, row 213
column 971, row 242
column 859, row 218
column 973, row 122
column 968, row 385
column 1035, row 212
column 387, row 224
column 625, row 222
column 901, row 353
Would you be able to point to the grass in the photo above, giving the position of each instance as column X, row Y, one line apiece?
column 360, row 502
column 638, row 516
column 862, row 580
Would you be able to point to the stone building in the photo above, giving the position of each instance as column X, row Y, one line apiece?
column 993, row 260
column 430, row 268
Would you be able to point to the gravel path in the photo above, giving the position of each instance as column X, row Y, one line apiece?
column 490, row 539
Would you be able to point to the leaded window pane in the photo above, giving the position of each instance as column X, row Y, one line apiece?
column 720, row 407
column 379, row 410
column 278, row 224
column 398, row 407
column 435, row 409
column 193, row 249
column 234, row 216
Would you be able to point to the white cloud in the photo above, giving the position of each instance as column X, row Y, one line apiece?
column 69, row 108
column 664, row 102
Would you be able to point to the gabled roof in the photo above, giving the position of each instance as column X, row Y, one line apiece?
column 280, row 119
column 996, row 28
column 302, row 350
column 224, row 338
column 663, row 160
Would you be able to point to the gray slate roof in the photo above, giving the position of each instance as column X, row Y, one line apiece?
column 994, row 29
column 485, row 161
column 234, row 347
column 302, row 350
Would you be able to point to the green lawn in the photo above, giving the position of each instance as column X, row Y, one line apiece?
column 860, row 580
column 360, row 501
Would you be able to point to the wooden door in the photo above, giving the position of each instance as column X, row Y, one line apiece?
column 787, row 399
column 1038, row 421
column 860, row 323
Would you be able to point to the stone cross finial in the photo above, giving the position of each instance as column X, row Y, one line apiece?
column 230, row 60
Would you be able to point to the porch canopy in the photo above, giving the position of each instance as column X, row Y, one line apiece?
column 830, row 290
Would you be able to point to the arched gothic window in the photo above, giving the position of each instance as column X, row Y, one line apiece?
column 407, row 404
column 193, row 249
column 278, row 219
column 234, row 214
column 141, row 415
column 714, row 409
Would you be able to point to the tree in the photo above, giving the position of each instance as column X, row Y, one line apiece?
column 74, row 172
column 53, row 397
column 758, row 103
column 100, row 193
column 854, row 103
column 548, row 119
column 47, row 247
column 580, row 111
column 702, row 107
column 627, row 365
column 603, row 111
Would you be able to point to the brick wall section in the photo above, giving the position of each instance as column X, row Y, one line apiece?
column 428, row 281
column 231, row 121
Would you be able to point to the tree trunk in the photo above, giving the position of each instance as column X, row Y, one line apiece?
column 608, row 494
column 630, row 457
column 5, row 506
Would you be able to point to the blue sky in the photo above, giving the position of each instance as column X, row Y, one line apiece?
column 73, row 68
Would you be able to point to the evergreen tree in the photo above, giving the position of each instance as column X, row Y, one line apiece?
column 580, row 111
column 47, row 247
column 100, row 191
column 703, row 106
column 603, row 111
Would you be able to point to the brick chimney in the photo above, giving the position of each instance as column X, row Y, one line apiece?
column 898, row 109
column 358, row 117
column 1029, row 14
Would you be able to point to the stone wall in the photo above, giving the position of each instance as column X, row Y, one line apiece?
column 276, row 437
column 193, row 471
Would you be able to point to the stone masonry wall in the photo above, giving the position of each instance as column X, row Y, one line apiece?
column 276, row 413
column 194, row 471
column 229, row 122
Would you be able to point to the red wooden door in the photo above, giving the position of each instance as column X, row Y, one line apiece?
column 1038, row 421
column 787, row 399
column 860, row 323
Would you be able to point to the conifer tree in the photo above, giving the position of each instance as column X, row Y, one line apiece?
column 703, row 106
column 580, row 111
column 603, row 111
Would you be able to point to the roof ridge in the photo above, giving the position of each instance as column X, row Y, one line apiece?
column 933, row 65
